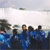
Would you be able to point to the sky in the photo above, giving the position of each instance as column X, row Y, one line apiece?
column 28, row 4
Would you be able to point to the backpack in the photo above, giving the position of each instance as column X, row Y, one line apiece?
column 38, row 36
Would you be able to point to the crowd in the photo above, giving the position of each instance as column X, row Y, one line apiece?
column 28, row 39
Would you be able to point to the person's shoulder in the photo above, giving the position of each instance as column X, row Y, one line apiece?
column 1, row 36
column 32, row 32
column 7, row 34
column 43, row 31
column 20, row 34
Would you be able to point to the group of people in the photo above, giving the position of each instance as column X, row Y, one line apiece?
column 28, row 39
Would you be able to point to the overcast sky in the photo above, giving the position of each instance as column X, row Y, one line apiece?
column 28, row 4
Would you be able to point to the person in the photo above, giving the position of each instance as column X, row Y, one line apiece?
column 3, row 42
column 40, row 38
column 32, row 37
column 15, row 40
column 25, row 38
column 48, row 40
column 3, row 32
column 6, row 36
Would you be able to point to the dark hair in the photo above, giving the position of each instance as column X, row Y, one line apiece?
column 15, row 31
column 39, row 27
column 2, row 29
column 30, row 28
column 23, row 25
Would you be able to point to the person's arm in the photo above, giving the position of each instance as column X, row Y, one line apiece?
column 28, row 40
column 22, row 40
column 2, row 39
column 43, row 34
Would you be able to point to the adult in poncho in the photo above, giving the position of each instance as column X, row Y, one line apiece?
column 3, row 42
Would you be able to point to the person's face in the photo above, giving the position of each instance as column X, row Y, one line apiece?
column 24, row 28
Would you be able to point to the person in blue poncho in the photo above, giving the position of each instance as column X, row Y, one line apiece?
column 6, row 36
column 40, row 37
column 48, row 40
column 24, row 37
column 32, row 34
column 3, row 42
column 3, row 32
column 15, row 40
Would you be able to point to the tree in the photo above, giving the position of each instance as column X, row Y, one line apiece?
column 4, row 23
